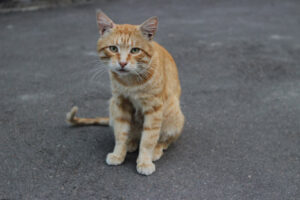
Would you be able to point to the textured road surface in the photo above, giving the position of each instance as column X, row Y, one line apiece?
column 239, row 64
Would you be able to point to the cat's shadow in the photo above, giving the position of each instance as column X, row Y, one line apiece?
column 105, row 144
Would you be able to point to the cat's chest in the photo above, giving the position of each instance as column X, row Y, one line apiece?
column 132, row 94
column 136, row 103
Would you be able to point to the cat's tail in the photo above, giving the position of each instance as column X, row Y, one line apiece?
column 72, row 119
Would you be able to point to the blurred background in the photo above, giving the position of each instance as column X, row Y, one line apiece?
column 239, row 66
column 30, row 5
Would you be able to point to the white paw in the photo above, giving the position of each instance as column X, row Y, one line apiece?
column 145, row 168
column 112, row 159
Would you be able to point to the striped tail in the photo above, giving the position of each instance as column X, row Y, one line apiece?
column 72, row 119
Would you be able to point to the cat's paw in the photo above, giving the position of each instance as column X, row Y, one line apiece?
column 145, row 168
column 112, row 159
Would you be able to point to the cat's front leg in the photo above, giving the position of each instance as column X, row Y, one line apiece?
column 149, row 139
column 122, row 119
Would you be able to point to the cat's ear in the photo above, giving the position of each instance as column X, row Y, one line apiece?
column 149, row 27
column 105, row 24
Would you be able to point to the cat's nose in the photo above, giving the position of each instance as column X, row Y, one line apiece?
column 123, row 64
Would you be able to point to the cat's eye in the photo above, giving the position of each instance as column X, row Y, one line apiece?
column 134, row 50
column 113, row 49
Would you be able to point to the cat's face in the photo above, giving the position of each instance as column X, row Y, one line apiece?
column 125, row 49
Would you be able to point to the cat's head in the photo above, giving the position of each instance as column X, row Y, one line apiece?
column 125, row 48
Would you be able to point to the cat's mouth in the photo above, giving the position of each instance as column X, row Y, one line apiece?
column 122, row 70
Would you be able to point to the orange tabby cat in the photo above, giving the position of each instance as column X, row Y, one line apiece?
column 144, row 108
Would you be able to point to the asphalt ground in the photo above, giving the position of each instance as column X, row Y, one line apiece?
column 239, row 66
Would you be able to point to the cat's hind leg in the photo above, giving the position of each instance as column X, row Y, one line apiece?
column 171, row 129
column 172, row 124
column 158, row 152
column 163, row 145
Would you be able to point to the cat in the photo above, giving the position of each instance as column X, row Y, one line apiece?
column 144, row 109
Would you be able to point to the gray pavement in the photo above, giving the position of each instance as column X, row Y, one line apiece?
column 239, row 65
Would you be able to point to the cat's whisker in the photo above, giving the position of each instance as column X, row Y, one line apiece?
column 92, row 63
column 97, row 74
column 144, row 73
column 94, row 72
column 138, row 76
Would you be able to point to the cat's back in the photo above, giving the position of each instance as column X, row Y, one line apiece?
column 163, row 53
column 169, row 68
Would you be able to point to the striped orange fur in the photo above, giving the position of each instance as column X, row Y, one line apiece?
column 145, row 104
